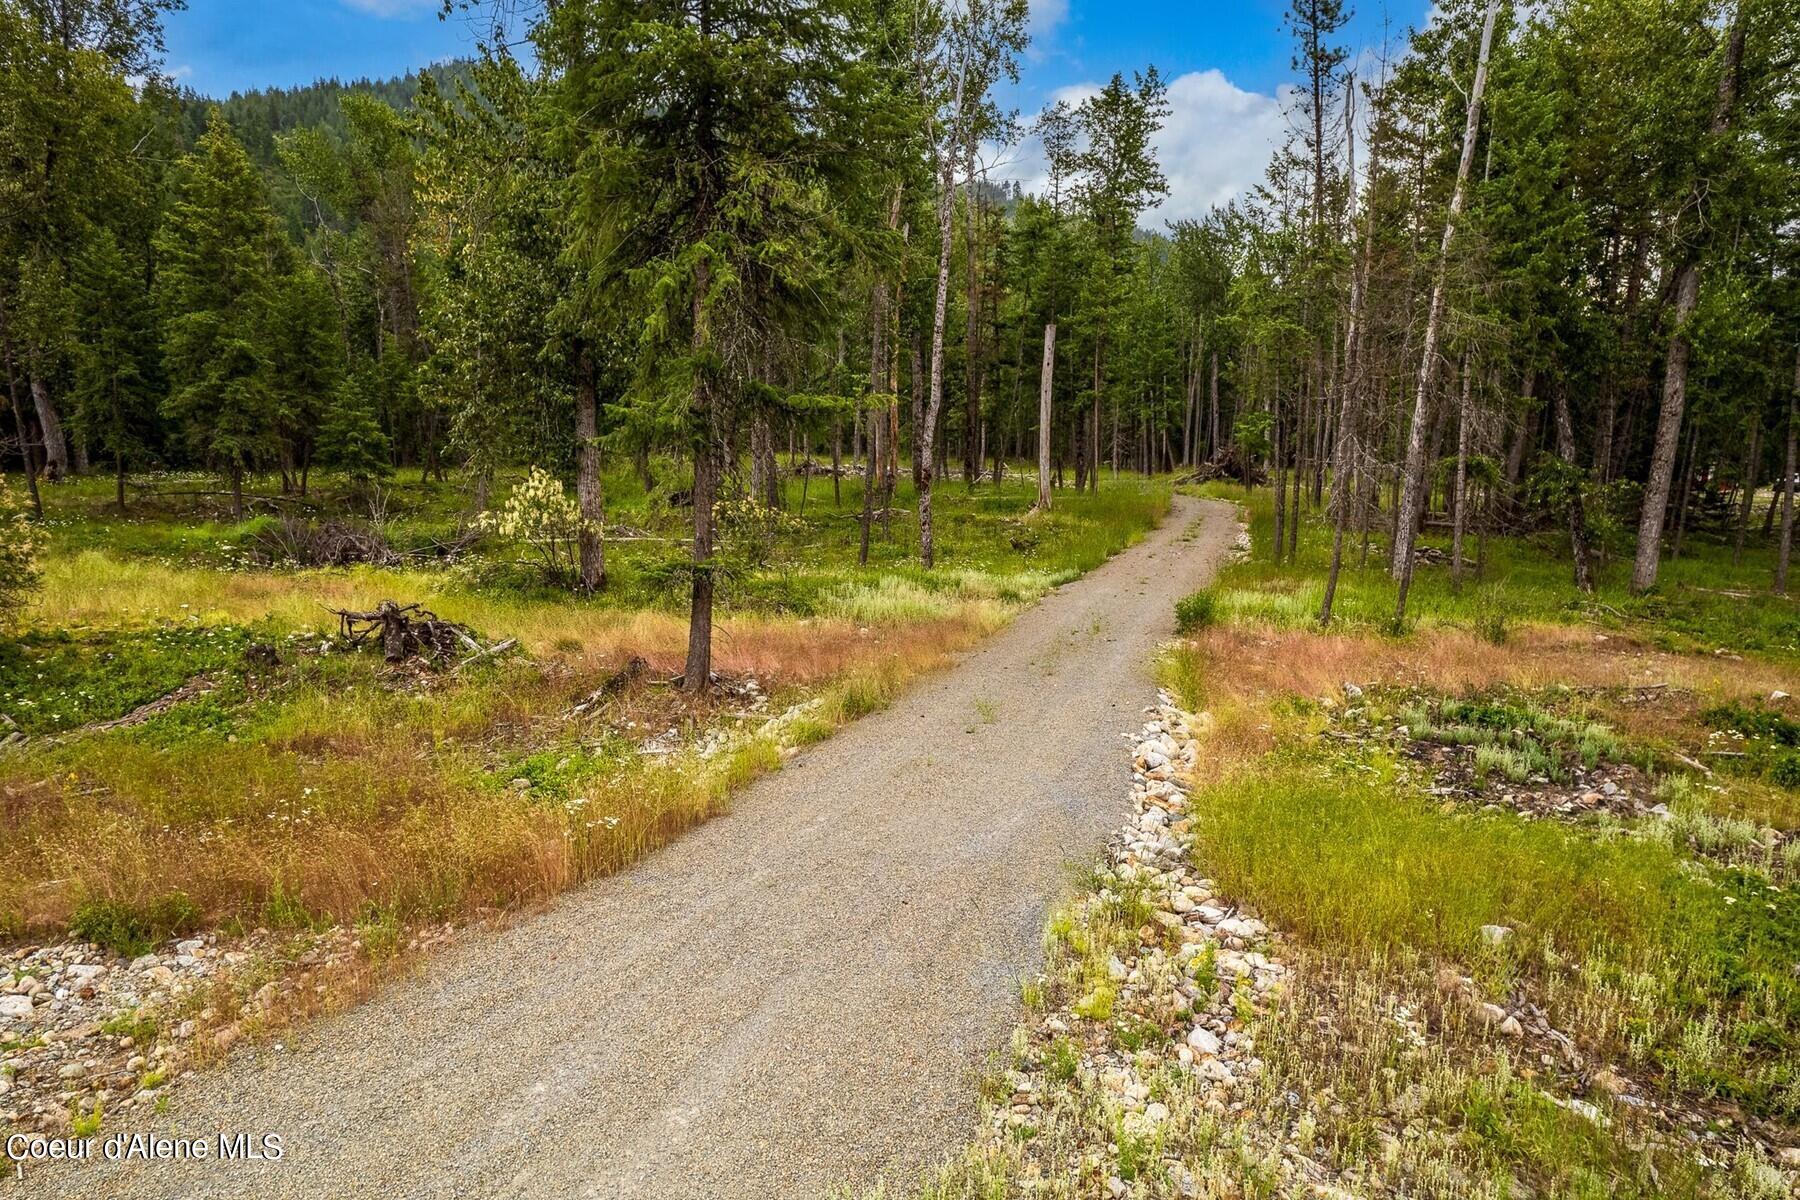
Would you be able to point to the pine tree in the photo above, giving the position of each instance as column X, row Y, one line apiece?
column 351, row 439
column 716, row 144
column 215, row 287
column 114, row 405
column 307, row 363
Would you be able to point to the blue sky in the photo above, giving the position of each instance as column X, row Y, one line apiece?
column 1226, row 63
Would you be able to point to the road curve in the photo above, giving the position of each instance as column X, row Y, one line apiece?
column 793, row 996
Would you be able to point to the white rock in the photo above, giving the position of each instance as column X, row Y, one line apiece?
column 81, row 975
column 1493, row 935
column 17, row 1008
column 1203, row 1040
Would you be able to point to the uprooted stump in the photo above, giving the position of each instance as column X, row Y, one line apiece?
column 406, row 631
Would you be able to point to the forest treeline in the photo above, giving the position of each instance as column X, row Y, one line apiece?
column 1531, row 265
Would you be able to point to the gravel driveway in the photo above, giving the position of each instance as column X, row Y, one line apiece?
column 795, row 995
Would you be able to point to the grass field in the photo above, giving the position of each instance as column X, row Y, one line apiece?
column 331, row 788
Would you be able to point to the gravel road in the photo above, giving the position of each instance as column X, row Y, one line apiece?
column 795, row 995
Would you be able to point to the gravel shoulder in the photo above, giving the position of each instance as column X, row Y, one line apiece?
column 795, row 995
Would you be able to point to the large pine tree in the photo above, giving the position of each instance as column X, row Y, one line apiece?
column 715, row 142
column 215, row 287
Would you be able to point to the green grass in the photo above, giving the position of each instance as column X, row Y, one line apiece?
column 1701, row 601
column 1651, row 950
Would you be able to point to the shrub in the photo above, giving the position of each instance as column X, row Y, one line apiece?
column 132, row 930
column 540, row 516
column 20, row 541
column 1195, row 612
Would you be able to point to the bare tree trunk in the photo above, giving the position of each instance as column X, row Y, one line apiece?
column 1565, row 450
column 1276, row 461
column 1787, row 486
column 1460, row 498
column 1747, row 491
column 1046, row 389
column 926, row 438
column 1213, row 417
column 1349, row 382
column 56, row 446
column 697, row 675
column 1687, row 297
column 877, row 358
column 1412, row 491
column 972, row 331
column 587, row 473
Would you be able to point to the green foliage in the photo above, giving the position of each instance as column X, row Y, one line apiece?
column 53, row 681
column 351, row 438
column 215, row 286
column 131, row 929
column 1195, row 612
column 21, row 540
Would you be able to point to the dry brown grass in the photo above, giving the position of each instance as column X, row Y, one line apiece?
column 382, row 796
column 1253, row 662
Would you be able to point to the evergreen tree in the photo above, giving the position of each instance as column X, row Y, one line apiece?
column 715, row 142
column 351, row 439
column 114, row 373
column 215, row 288
column 307, row 363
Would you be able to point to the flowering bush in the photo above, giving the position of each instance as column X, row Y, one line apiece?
column 544, row 519
column 20, row 540
column 750, row 529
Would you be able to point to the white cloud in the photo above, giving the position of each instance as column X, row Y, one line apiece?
column 1214, row 147
column 1046, row 16
column 1216, row 144
column 393, row 8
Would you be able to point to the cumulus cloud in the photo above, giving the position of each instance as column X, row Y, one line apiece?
column 1214, row 146
column 393, row 8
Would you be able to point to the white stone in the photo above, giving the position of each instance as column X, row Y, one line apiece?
column 1493, row 935
column 83, row 974
column 17, row 1008
column 1203, row 1040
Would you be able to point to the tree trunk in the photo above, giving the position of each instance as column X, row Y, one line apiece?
column 972, row 330
column 1687, row 297
column 926, row 469
column 1787, row 486
column 1213, row 406
column 56, row 446
column 1747, row 491
column 1046, row 388
column 1412, row 491
column 1460, row 497
column 587, row 473
column 697, row 675
column 237, row 493
column 1577, row 514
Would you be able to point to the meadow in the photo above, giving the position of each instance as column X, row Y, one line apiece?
column 312, row 786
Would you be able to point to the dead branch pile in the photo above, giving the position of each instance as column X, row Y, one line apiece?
column 408, row 631
column 813, row 469
column 325, row 543
column 1227, row 464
